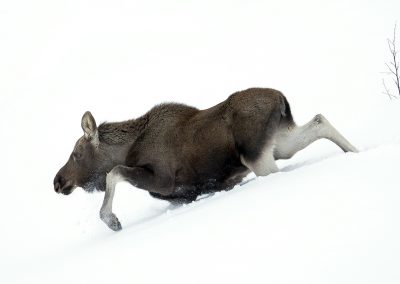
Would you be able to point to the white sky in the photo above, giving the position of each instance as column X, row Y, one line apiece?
column 119, row 58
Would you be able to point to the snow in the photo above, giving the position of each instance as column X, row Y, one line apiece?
column 327, row 217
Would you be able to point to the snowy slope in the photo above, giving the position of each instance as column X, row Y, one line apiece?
column 327, row 217
column 329, row 221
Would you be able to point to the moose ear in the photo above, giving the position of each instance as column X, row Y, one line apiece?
column 89, row 126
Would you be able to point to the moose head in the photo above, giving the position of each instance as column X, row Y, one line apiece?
column 88, row 163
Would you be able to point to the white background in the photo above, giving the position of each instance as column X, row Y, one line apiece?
column 118, row 59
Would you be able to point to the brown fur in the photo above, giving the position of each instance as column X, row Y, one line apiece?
column 177, row 151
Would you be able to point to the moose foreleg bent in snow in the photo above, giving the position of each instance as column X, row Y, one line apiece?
column 137, row 176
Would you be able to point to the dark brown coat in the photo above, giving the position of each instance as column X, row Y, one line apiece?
column 177, row 152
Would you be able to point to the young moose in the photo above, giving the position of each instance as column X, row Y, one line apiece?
column 177, row 152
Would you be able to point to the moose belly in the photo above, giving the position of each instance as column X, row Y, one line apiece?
column 210, row 176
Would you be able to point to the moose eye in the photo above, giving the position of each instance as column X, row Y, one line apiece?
column 76, row 156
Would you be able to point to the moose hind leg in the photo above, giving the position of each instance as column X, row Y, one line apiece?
column 263, row 165
column 290, row 140
column 329, row 132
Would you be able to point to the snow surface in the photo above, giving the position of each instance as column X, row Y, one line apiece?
column 327, row 217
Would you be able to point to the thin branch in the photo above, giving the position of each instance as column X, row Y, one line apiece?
column 390, row 69
column 395, row 62
column 390, row 45
column 386, row 92
column 393, row 66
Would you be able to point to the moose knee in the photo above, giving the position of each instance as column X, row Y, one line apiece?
column 321, row 126
column 319, row 119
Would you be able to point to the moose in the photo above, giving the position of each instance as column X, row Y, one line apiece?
column 177, row 152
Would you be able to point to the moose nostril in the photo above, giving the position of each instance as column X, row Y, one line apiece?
column 57, row 187
column 59, row 182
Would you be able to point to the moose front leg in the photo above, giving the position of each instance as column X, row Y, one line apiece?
column 138, row 177
column 106, row 214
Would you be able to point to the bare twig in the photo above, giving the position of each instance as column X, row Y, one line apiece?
column 393, row 66
column 387, row 92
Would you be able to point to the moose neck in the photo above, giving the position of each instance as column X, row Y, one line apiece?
column 120, row 136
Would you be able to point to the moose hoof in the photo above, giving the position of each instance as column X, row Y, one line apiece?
column 112, row 221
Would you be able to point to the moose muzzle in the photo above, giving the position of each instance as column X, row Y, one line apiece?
column 61, row 185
